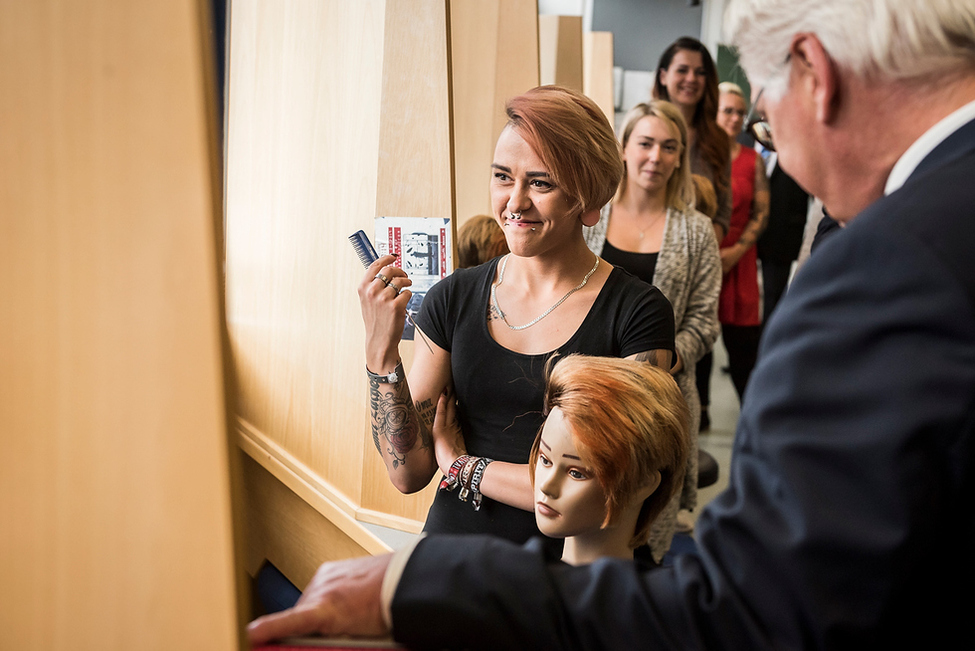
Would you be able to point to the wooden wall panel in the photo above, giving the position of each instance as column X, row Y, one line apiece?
column 598, row 71
column 116, row 513
column 494, row 56
column 284, row 528
column 302, row 143
column 560, row 50
column 328, row 101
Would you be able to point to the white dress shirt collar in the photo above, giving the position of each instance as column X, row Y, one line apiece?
column 924, row 145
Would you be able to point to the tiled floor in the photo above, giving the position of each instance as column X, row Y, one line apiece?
column 717, row 441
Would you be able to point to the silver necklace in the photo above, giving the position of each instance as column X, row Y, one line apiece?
column 494, row 295
column 651, row 224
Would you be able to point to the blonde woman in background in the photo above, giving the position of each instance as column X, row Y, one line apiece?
column 652, row 230
column 705, row 200
column 738, row 307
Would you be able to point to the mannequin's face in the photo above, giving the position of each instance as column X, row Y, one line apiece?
column 568, row 498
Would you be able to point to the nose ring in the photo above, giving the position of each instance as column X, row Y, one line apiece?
column 515, row 215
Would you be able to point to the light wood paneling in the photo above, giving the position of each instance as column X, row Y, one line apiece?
column 331, row 504
column 598, row 71
column 284, row 528
column 494, row 56
column 302, row 145
column 327, row 103
column 560, row 50
column 414, row 128
column 116, row 513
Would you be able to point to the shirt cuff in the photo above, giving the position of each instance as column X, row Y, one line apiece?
column 394, row 572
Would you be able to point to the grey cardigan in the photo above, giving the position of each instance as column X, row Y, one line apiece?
column 688, row 272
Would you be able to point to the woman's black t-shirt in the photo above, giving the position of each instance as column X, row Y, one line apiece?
column 500, row 392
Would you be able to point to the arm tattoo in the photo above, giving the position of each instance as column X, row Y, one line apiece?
column 393, row 419
column 427, row 410
column 658, row 357
column 760, row 208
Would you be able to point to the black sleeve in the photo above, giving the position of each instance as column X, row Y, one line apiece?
column 433, row 318
column 646, row 323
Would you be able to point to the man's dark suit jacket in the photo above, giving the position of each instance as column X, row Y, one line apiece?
column 788, row 205
column 849, row 521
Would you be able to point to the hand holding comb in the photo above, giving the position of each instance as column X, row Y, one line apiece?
column 367, row 255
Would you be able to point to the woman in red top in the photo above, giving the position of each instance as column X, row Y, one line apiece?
column 738, row 306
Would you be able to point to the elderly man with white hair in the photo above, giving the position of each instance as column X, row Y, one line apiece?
column 849, row 519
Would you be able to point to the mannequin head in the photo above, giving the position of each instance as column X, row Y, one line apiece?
column 616, row 436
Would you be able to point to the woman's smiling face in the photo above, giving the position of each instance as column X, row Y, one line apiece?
column 685, row 78
column 569, row 500
column 652, row 153
column 532, row 210
column 731, row 113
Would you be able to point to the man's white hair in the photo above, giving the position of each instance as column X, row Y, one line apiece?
column 893, row 39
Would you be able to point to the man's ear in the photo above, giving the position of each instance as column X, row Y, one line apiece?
column 818, row 74
column 590, row 218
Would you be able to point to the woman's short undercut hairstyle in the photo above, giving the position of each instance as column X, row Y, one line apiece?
column 893, row 39
column 680, row 191
column 573, row 137
column 630, row 421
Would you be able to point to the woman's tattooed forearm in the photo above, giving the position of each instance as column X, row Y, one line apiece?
column 427, row 411
column 395, row 424
column 657, row 357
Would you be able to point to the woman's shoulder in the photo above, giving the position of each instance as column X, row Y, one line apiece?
column 745, row 161
column 693, row 220
column 452, row 302
column 693, row 233
column 469, row 276
column 461, row 286
column 623, row 286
